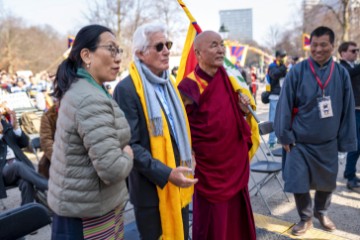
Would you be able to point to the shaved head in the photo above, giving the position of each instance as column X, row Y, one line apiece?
column 210, row 51
column 200, row 39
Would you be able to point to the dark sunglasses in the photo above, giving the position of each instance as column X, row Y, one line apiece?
column 160, row 46
column 354, row 50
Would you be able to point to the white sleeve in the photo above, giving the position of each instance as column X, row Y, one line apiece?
column 18, row 132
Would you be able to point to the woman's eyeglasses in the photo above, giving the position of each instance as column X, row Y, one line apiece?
column 354, row 50
column 160, row 46
column 113, row 50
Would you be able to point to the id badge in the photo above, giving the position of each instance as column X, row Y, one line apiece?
column 325, row 108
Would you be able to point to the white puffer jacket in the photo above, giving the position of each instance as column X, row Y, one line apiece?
column 88, row 167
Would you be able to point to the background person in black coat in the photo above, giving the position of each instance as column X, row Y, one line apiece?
column 349, row 53
column 15, row 167
column 275, row 77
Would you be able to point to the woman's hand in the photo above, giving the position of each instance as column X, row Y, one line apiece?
column 129, row 151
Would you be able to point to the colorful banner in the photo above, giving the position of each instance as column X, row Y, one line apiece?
column 70, row 41
column 306, row 42
column 237, row 54
column 234, row 72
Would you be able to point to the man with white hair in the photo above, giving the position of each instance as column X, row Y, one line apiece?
column 158, row 186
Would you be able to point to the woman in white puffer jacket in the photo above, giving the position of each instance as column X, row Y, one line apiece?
column 91, row 157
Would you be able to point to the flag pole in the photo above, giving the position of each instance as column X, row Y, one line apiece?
column 190, row 16
column 188, row 63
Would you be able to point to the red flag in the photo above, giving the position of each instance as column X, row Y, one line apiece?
column 306, row 41
column 188, row 60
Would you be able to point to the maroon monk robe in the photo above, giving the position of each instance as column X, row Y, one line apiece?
column 221, row 140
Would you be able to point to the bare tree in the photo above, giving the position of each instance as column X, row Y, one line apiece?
column 10, row 39
column 292, row 41
column 124, row 16
column 288, row 36
column 46, row 51
column 355, row 21
column 274, row 36
column 109, row 13
column 23, row 47
column 170, row 12
column 341, row 11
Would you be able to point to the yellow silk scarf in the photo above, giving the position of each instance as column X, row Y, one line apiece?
column 171, row 198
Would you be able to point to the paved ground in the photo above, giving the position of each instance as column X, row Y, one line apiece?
column 344, row 211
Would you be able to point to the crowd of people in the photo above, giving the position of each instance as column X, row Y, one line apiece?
column 25, row 81
column 163, row 144
column 37, row 88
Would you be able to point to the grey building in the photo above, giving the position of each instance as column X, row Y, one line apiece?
column 239, row 23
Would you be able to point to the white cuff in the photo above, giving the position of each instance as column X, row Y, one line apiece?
column 18, row 132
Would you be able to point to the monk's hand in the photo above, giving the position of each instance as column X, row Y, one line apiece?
column 244, row 102
column 286, row 147
column 193, row 160
column 186, row 100
column 178, row 177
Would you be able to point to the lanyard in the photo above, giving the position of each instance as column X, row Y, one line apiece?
column 318, row 79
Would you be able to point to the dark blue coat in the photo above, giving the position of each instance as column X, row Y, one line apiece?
column 312, row 162
column 147, row 172
column 15, row 143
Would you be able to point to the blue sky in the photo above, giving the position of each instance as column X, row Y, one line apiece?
column 66, row 16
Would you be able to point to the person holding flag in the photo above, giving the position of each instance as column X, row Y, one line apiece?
column 221, row 140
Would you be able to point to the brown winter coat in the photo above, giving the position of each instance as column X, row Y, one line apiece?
column 47, row 133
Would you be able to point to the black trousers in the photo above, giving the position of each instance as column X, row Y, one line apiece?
column 149, row 224
column 26, row 178
column 304, row 205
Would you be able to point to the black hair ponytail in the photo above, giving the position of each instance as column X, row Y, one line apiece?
column 65, row 76
column 88, row 37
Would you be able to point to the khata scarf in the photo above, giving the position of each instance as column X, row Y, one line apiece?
column 171, row 198
column 154, row 111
